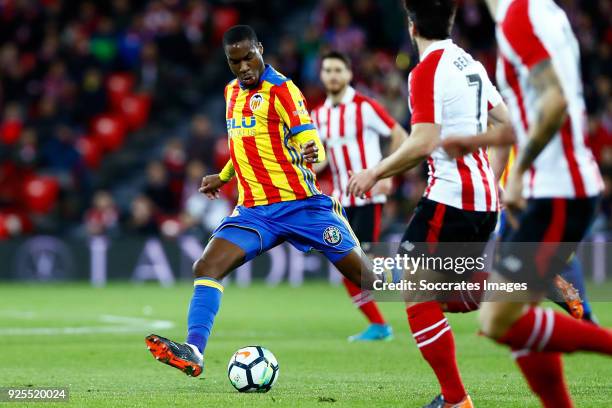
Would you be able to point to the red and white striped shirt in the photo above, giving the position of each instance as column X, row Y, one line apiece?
column 529, row 32
column 449, row 88
column 350, row 132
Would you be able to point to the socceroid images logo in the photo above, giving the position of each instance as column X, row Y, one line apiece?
column 332, row 235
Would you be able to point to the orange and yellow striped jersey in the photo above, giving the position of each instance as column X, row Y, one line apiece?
column 261, row 123
column 511, row 157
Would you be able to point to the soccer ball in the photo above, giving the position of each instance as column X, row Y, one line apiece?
column 253, row 369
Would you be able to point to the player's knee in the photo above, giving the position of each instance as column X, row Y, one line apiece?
column 493, row 324
column 203, row 268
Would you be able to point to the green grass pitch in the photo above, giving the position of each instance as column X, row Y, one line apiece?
column 91, row 340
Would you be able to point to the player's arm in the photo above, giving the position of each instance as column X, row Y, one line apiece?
column 423, row 140
column 398, row 136
column 291, row 107
column 312, row 148
column 552, row 109
column 319, row 167
column 550, row 115
column 499, row 134
column 211, row 184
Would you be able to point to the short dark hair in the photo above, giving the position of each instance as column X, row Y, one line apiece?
column 339, row 56
column 433, row 18
column 239, row 33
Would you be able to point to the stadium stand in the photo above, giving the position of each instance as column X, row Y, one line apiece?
column 111, row 110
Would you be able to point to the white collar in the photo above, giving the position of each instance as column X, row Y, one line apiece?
column 349, row 94
column 438, row 45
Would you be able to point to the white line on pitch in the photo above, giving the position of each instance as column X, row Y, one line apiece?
column 123, row 324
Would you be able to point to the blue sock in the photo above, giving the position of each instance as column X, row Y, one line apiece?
column 202, row 311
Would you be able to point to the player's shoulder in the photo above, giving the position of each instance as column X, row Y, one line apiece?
column 230, row 84
column 429, row 65
column 366, row 100
column 520, row 14
column 274, row 77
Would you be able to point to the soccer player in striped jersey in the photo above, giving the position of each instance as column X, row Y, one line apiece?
column 555, row 183
column 351, row 126
column 273, row 145
column 450, row 94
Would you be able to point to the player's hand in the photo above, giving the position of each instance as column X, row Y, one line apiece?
column 513, row 197
column 457, row 146
column 310, row 152
column 211, row 186
column 384, row 186
column 360, row 183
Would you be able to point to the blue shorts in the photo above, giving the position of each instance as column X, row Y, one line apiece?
column 314, row 223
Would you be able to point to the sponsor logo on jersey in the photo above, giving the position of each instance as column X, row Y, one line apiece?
column 332, row 235
column 245, row 123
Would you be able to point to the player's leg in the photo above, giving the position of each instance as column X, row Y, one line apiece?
column 319, row 223
column 435, row 340
column 515, row 324
column 537, row 336
column 567, row 289
column 219, row 258
column 237, row 240
column 434, row 222
column 525, row 327
column 365, row 222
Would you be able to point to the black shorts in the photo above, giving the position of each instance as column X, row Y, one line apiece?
column 365, row 221
column 437, row 222
column 465, row 232
column 549, row 231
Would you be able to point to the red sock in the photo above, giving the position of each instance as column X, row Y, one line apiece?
column 545, row 330
column 437, row 345
column 363, row 300
column 544, row 373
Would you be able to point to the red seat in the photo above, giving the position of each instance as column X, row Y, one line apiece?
column 135, row 110
column 118, row 86
column 109, row 130
column 10, row 131
column 40, row 193
column 90, row 150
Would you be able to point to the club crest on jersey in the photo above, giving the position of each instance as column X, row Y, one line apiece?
column 256, row 101
column 332, row 235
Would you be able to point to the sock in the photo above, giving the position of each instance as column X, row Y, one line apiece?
column 544, row 374
column 437, row 345
column 545, row 330
column 363, row 300
column 202, row 311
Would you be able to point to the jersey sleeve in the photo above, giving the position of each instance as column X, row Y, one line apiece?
column 291, row 107
column 493, row 96
column 425, row 98
column 377, row 118
column 518, row 30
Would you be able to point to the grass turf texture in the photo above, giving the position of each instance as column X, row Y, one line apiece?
column 306, row 328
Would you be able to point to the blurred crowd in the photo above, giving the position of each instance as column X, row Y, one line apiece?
column 63, row 65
